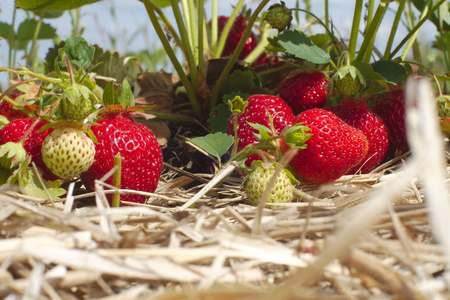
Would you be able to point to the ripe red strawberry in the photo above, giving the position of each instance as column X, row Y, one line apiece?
column 235, row 35
column 332, row 151
column 391, row 108
column 256, row 112
column 15, row 131
column 140, row 152
column 6, row 108
column 305, row 90
column 356, row 114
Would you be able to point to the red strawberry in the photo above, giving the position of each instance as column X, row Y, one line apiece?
column 391, row 108
column 305, row 90
column 7, row 110
column 356, row 114
column 15, row 131
column 332, row 151
column 256, row 112
column 235, row 35
column 140, row 152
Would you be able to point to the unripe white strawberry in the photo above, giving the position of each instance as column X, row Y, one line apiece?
column 258, row 180
column 68, row 152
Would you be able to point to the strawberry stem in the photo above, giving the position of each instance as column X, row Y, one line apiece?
column 237, row 51
column 117, row 180
column 355, row 29
column 394, row 27
column 365, row 51
column 413, row 31
column 226, row 30
column 192, row 94
column 214, row 27
column 185, row 42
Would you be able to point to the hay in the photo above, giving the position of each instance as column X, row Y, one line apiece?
column 380, row 235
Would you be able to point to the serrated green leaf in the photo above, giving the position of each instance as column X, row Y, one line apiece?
column 78, row 51
column 392, row 71
column 216, row 144
column 36, row 5
column 27, row 28
column 299, row 45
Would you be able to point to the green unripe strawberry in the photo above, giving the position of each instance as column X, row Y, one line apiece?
column 347, row 81
column 68, row 152
column 77, row 102
column 279, row 16
column 258, row 180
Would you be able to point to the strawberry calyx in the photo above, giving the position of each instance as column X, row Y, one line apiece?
column 12, row 154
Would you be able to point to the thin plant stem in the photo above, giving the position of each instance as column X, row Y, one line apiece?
column 327, row 14
column 192, row 94
column 200, row 15
column 12, row 40
column 355, row 29
column 32, row 54
column 187, row 17
column 214, row 27
column 237, row 51
column 194, row 27
column 259, row 49
column 76, row 21
column 185, row 42
column 370, row 10
column 412, row 32
column 169, row 26
column 365, row 51
column 117, row 180
column 226, row 30
column 395, row 23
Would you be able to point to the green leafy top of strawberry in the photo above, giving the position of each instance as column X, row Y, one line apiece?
column 347, row 81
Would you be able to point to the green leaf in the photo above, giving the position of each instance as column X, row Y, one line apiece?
column 109, row 95
column 299, row 45
column 367, row 71
column 242, row 81
column 263, row 130
column 219, row 121
column 126, row 97
column 216, row 144
column 36, row 5
column 29, row 184
column 5, row 32
column 78, row 51
column 392, row 71
column 52, row 14
column 26, row 30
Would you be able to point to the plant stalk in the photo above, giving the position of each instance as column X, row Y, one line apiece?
column 355, row 29
column 398, row 15
column 32, row 54
column 412, row 32
column 117, row 180
column 365, row 51
column 226, row 30
column 237, row 51
column 192, row 93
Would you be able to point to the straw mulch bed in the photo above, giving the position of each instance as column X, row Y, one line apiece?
column 380, row 235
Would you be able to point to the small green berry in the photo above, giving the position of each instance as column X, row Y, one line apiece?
column 279, row 16
column 256, row 183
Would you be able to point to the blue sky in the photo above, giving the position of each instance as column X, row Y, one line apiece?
column 99, row 23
